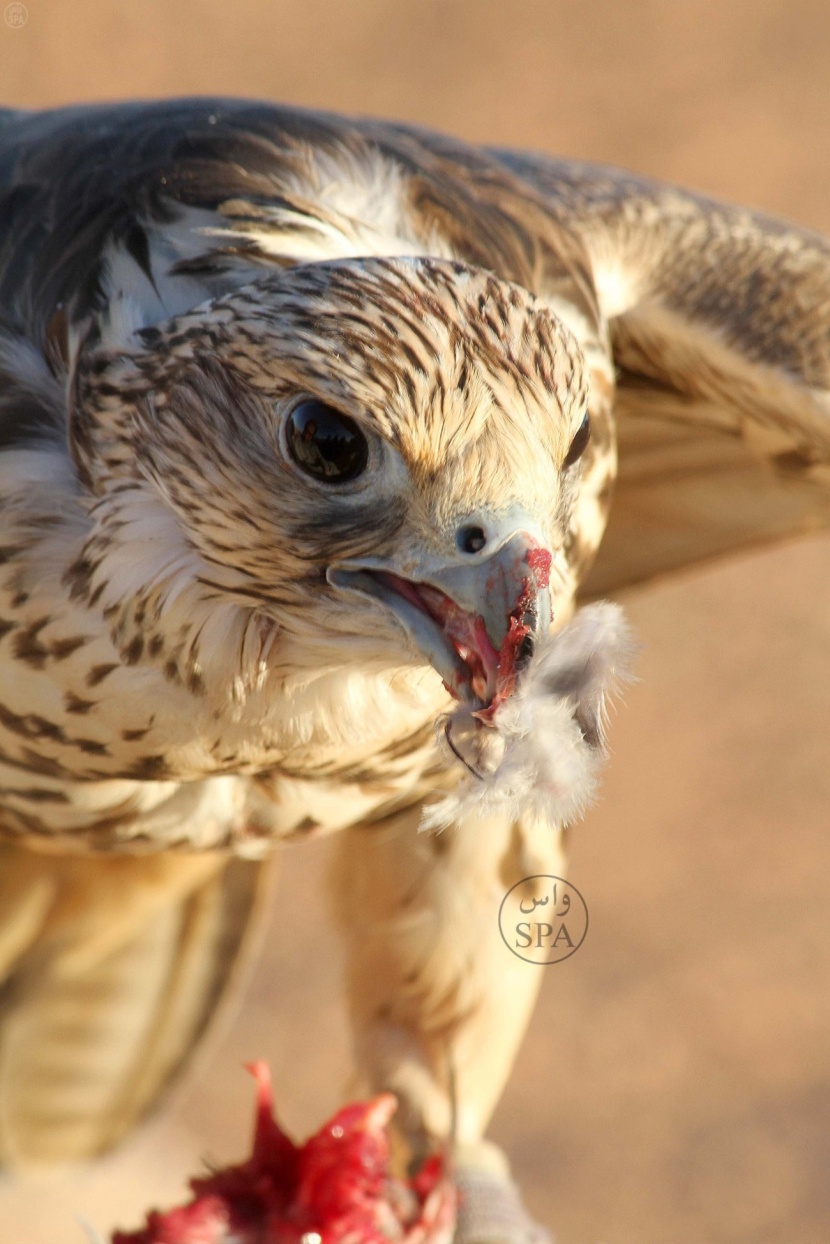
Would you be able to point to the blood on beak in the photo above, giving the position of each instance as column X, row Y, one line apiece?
column 476, row 622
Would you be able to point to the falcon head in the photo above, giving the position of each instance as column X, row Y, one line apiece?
column 381, row 456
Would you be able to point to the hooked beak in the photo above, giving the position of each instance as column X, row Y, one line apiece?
column 476, row 622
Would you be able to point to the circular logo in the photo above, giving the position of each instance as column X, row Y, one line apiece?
column 15, row 16
column 543, row 919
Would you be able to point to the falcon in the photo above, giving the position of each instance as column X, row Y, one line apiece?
column 310, row 432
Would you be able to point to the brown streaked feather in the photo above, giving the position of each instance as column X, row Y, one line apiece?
column 720, row 330
column 144, row 950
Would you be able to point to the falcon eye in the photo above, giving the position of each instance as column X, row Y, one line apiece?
column 579, row 443
column 325, row 444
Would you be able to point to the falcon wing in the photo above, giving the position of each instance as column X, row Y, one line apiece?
column 718, row 321
column 112, row 970
column 720, row 328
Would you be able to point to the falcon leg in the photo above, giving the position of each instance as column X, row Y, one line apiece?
column 439, row 1004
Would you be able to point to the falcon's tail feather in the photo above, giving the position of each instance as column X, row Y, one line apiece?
column 113, row 971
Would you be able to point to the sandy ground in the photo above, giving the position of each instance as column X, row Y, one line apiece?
column 675, row 1084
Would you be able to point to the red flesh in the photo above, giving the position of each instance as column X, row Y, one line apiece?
column 337, row 1186
column 468, row 636
column 539, row 561
column 492, row 673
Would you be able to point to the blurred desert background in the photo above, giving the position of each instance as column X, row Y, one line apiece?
column 674, row 1087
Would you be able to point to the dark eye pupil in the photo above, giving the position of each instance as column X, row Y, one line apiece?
column 579, row 443
column 325, row 444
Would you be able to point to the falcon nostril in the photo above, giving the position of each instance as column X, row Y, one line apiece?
column 471, row 539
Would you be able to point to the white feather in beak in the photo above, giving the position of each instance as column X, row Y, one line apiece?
column 541, row 754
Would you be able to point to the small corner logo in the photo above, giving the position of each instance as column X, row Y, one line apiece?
column 543, row 919
column 15, row 16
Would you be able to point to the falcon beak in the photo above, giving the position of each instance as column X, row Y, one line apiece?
column 475, row 621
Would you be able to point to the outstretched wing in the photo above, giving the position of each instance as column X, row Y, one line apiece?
column 111, row 971
column 720, row 328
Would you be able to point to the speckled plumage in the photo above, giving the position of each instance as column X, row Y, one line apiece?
column 187, row 623
column 176, row 669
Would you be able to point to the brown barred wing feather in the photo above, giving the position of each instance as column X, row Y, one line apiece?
column 113, row 971
column 720, row 326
